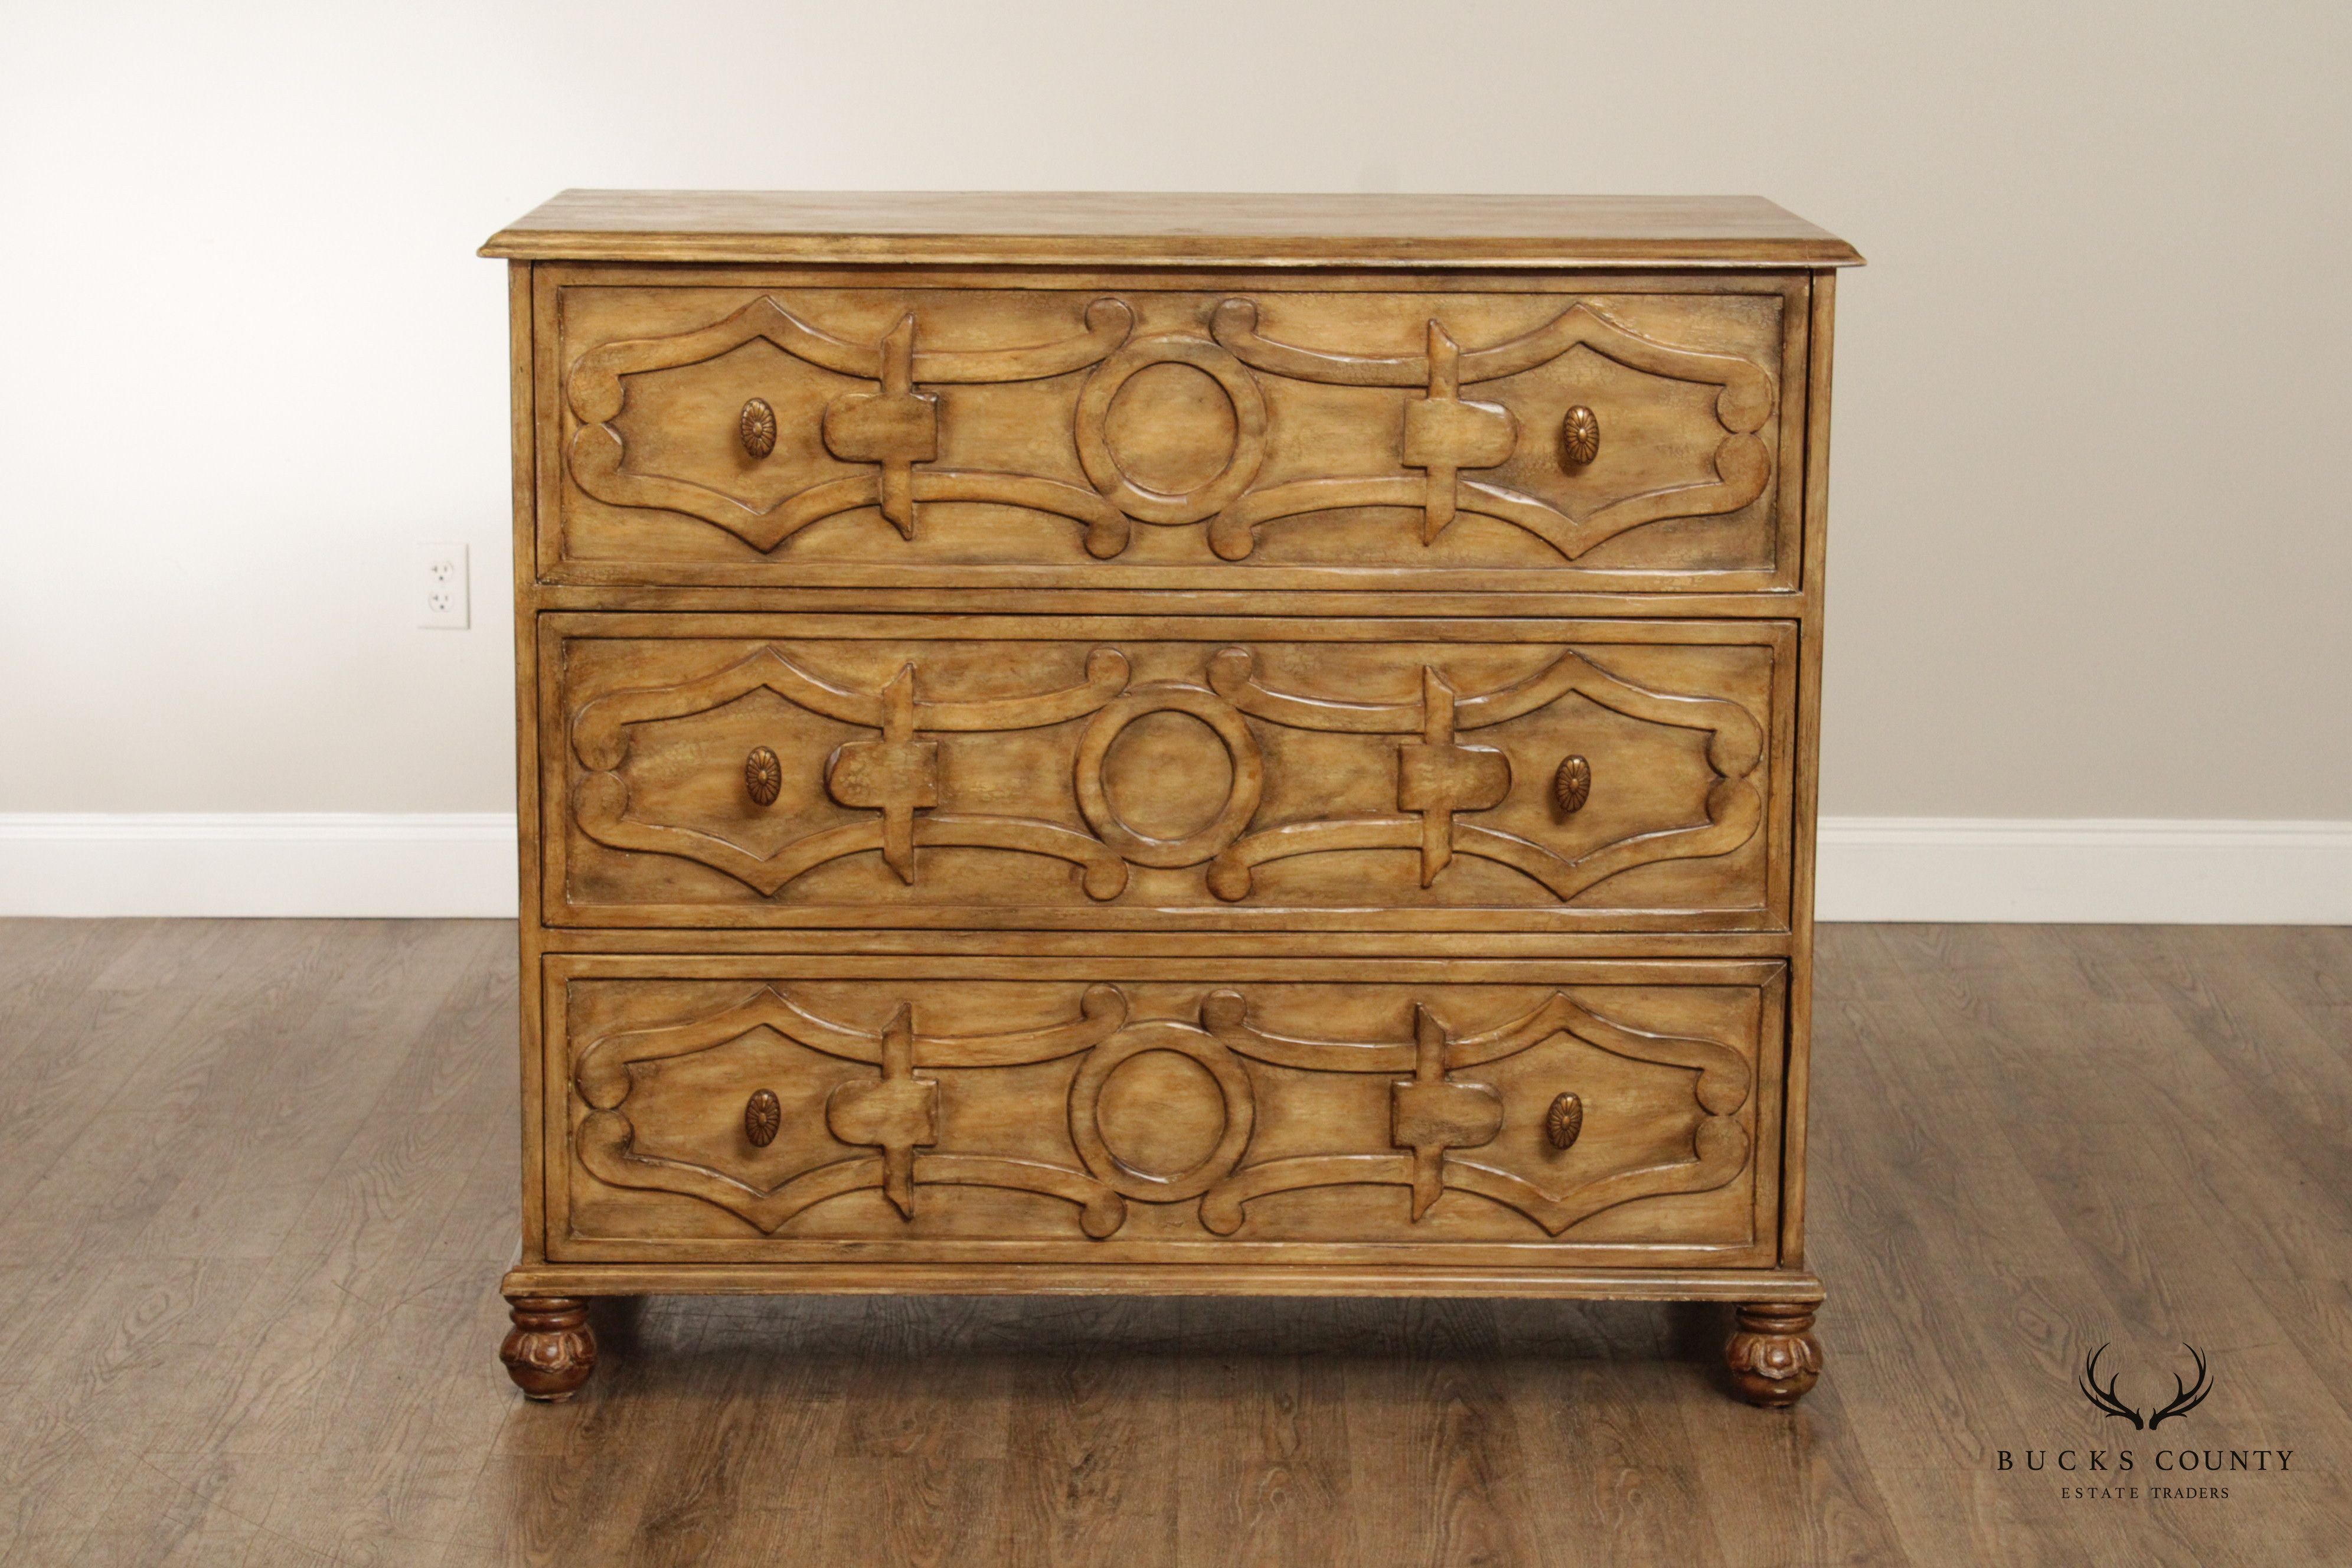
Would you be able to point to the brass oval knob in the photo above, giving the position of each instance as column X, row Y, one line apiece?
column 1572, row 787
column 763, row 1115
column 758, row 428
column 1579, row 437
column 763, row 776
column 1564, row 1122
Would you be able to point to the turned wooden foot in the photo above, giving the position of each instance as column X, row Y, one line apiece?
column 1773, row 1355
column 550, row 1349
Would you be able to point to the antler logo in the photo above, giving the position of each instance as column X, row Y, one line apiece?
column 2185, row 1397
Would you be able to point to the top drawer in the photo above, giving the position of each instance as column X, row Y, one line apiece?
column 781, row 429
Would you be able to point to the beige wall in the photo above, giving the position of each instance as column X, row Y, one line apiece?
column 2092, row 541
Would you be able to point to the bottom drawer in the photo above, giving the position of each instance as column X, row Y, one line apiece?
column 1402, row 1112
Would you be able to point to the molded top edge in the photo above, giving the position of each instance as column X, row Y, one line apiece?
column 1099, row 227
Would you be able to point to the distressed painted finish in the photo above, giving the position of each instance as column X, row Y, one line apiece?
column 1318, row 231
column 1142, row 435
column 1168, row 745
column 1226, row 769
column 1147, row 1118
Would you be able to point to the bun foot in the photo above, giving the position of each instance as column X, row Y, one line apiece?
column 550, row 1349
column 1774, row 1358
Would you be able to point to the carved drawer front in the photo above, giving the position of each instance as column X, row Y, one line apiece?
column 1180, row 772
column 1176, row 1111
column 1626, row 436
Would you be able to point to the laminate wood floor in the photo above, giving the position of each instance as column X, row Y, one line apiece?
column 258, row 1189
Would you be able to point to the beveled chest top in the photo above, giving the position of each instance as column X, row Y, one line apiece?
column 1097, row 228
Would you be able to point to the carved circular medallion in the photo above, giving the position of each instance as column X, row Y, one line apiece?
column 1086, row 1106
column 1210, row 497
column 1162, row 1111
column 1241, row 796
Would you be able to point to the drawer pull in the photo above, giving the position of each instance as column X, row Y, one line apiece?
column 1572, row 785
column 1579, row 437
column 758, row 428
column 763, row 1115
column 763, row 776
column 1563, row 1122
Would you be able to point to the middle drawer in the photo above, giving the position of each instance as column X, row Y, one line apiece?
column 1165, row 772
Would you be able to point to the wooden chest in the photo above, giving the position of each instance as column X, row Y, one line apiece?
column 1236, row 745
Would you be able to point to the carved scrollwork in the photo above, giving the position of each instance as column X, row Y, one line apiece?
column 600, row 728
column 603, row 812
column 604, row 1144
column 1742, row 466
column 1743, row 404
column 1734, row 804
column 895, row 427
column 1442, row 777
column 895, row 1112
column 895, row 776
column 1444, row 1129
column 1435, row 1114
column 1444, row 434
column 601, row 1072
column 596, row 456
column 597, row 391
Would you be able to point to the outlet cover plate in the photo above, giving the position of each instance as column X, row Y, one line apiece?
column 444, row 593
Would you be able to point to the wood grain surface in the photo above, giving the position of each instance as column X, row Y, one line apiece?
column 1178, row 771
column 1019, row 1114
column 1105, row 429
column 260, row 1191
column 1079, row 227
column 960, row 418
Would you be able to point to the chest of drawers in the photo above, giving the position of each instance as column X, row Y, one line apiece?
column 1183, row 744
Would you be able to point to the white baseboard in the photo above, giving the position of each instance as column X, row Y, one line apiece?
column 259, row 863
column 2147, row 872
column 1872, row 869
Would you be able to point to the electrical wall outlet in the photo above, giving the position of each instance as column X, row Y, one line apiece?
column 445, row 596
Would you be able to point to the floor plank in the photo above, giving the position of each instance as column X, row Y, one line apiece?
column 261, row 1184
